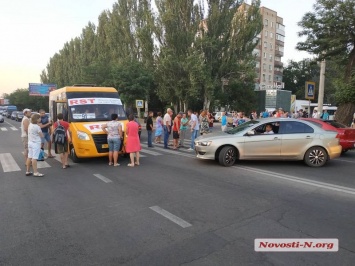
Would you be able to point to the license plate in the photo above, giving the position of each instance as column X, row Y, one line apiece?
column 104, row 146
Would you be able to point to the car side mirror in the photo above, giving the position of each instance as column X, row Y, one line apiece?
column 251, row 133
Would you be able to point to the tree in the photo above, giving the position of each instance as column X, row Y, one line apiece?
column 176, row 27
column 186, row 48
column 21, row 99
column 132, row 80
column 330, row 32
column 227, row 38
column 296, row 74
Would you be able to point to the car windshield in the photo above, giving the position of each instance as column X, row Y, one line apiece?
column 242, row 127
column 335, row 124
column 94, row 106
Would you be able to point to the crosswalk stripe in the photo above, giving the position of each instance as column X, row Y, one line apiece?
column 176, row 152
column 3, row 128
column 14, row 128
column 42, row 164
column 151, row 152
column 8, row 163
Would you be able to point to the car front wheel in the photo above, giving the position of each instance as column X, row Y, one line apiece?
column 316, row 157
column 227, row 156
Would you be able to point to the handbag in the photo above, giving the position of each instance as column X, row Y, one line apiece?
column 41, row 155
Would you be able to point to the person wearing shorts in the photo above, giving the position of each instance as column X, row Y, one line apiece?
column 24, row 130
column 45, row 125
column 62, row 149
column 176, row 130
column 34, row 145
column 114, row 138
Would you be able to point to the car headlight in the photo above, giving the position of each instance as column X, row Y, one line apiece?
column 82, row 135
column 204, row 143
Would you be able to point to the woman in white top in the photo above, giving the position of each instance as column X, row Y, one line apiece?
column 34, row 145
column 24, row 129
column 114, row 138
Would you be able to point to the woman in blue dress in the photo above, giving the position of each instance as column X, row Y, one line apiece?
column 158, row 128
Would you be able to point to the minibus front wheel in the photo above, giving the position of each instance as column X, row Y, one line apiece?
column 73, row 156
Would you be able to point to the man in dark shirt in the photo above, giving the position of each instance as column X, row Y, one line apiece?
column 149, row 127
column 45, row 126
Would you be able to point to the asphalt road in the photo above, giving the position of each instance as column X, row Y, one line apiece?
column 173, row 209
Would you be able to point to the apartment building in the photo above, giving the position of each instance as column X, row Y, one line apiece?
column 269, row 51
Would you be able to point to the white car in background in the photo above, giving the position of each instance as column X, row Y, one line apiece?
column 1, row 119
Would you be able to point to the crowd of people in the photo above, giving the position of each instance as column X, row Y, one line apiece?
column 178, row 126
column 37, row 129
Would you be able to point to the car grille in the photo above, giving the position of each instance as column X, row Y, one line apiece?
column 99, row 140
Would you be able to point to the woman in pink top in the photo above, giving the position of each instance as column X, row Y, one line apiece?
column 133, row 145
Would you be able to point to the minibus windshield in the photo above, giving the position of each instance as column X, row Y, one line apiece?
column 94, row 106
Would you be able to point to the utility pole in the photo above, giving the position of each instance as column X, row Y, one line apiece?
column 321, row 88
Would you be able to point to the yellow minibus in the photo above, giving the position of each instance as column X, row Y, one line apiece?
column 86, row 108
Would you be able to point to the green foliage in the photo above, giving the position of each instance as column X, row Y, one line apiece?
column 133, row 81
column 177, row 55
column 238, row 96
column 346, row 90
column 296, row 74
column 22, row 100
column 224, row 47
column 330, row 32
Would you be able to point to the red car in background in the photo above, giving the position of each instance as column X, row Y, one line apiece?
column 346, row 134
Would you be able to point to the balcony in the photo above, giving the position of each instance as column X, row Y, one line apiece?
column 278, row 73
column 281, row 43
column 278, row 64
column 280, row 31
column 279, row 53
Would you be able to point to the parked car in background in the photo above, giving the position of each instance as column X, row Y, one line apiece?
column 345, row 134
column 9, row 110
column 1, row 119
column 19, row 116
column 2, row 109
column 290, row 139
column 13, row 115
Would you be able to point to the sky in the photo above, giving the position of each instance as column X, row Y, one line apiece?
column 32, row 31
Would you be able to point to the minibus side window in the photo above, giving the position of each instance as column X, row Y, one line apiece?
column 62, row 108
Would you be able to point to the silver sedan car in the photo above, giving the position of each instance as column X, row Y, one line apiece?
column 270, row 139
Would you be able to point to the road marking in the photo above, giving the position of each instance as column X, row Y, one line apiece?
column 170, row 216
column 151, row 152
column 102, row 178
column 176, row 152
column 14, row 128
column 9, row 123
column 299, row 180
column 42, row 164
column 344, row 160
column 8, row 163
column 3, row 128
